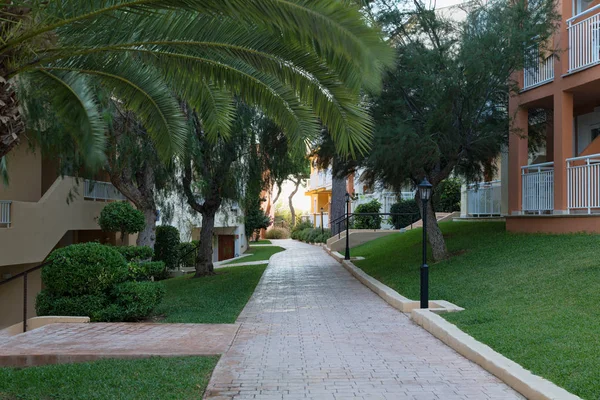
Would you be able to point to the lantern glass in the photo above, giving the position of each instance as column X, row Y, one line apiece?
column 425, row 189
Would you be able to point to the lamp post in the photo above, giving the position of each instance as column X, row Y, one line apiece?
column 321, row 219
column 347, row 255
column 425, row 194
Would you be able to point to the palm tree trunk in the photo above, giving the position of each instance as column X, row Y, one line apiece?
column 204, row 263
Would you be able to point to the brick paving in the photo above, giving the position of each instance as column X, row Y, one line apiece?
column 57, row 343
column 311, row 331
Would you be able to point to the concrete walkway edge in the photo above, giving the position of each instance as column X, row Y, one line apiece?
column 532, row 386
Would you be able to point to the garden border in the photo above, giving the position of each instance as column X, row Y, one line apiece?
column 531, row 386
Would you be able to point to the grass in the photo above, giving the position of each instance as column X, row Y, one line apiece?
column 261, row 242
column 153, row 378
column 212, row 299
column 534, row 298
column 258, row 254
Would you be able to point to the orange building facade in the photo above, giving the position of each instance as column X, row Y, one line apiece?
column 562, row 193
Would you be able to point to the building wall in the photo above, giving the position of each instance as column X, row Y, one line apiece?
column 11, row 294
column 25, row 175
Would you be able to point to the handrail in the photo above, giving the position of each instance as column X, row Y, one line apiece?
column 586, row 12
column 182, row 257
column 348, row 216
column 540, row 165
column 478, row 184
column 584, row 157
column 24, row 275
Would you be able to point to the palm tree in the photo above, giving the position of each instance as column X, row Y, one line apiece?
column 301, row 62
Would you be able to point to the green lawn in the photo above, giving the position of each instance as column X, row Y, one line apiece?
column 258, row 254
column 212, row 299
column 260, row 242
column 533, row 298
column 153, row 378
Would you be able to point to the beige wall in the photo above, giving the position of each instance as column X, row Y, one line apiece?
column 11, row 294
column 25, row 175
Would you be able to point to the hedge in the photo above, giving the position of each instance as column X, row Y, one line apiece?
column 166, row 247
column 367, row 221
column 135, row 253
column 409, row 207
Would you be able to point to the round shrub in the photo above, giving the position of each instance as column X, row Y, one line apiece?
column 121, row 217
column 367, row 221
column 134, row 300
column 135, row 253
column 145, row 271
column 277, row 233
column 81, row 269
column 166, row 247
column 446, row 197
column 411, row 212
column 92, row 306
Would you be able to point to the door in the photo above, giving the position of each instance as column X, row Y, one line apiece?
column 226, row 247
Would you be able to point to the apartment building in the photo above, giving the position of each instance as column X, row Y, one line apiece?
column 562, row 193
column 41, row 211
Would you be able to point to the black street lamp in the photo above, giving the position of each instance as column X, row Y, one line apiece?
column 347, row 255
column 321, row 219
column 425, row 195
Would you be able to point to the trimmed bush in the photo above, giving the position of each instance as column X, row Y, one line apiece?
column 86, row 305
column 301, row 225
column 166, row 247
column 87, row 268
column 367, row 221
column 145, row 271
column 408, row 207
column 133, row 301
column 446, row 197
column 312, row 235
column 277, row 233
column 121, row 217
column 135, row 253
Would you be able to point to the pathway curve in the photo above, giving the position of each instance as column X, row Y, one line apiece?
column 313, row 331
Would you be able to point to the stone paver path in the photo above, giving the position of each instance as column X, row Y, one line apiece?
column 57, row 343
column 311, row 331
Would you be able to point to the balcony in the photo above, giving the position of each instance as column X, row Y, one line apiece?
column 583, row 184
column 5, row 206
column 538, row 188
column 320, row 179
column 103, row 191
column 539, row 70
column 584, row 39
column 484, row 199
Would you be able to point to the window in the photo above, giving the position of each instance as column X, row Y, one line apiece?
column 582, row 5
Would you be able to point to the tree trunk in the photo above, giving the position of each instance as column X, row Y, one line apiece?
column 147, row 237
column 278, row 194
column 204, row 263
column 290, row 198
column 338, row 202
column 434, row 233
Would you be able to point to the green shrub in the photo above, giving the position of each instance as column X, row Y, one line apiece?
column 312, row 235
column 86, row 305
column 135, row 253
column 446, row 197
column 187, row 255
column 134, row 300
column 407, row 207
column 145, row 271
column 301, row 225
column 277, row 233
column 81, row 269
column 121, row 217
column 166, row 247
column 367, row 221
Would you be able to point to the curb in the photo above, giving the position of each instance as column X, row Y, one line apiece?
column 523, row 381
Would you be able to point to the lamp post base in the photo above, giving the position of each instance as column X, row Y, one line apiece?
column 424, row 286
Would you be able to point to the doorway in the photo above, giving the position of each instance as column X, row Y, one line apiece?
column 226, row 247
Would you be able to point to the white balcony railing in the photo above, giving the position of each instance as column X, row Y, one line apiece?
column 538, row 187
column 538, row 70
column 5, row 206
column 105, row 191
column 317, row 220
column 583, row 183
column 484, row 199
column 584, row 39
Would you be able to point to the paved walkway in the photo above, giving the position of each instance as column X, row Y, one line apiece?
column 311, row 331
column 58, row 343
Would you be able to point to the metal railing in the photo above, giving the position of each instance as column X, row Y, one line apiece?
column 317, row 220
column 5, row 208
column 340, row 222
column 538, row 187
column 104, row 191
column 24, row 275
column 538, row 70
column 583, row 183
column 584, row 39
column 484, row 199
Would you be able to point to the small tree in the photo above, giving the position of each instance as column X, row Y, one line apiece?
column 121, row 217
column 166, row 247
column 368, row 221
column 256, row 219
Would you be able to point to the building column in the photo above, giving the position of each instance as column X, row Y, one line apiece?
column 517, row 156
column 563, row 147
